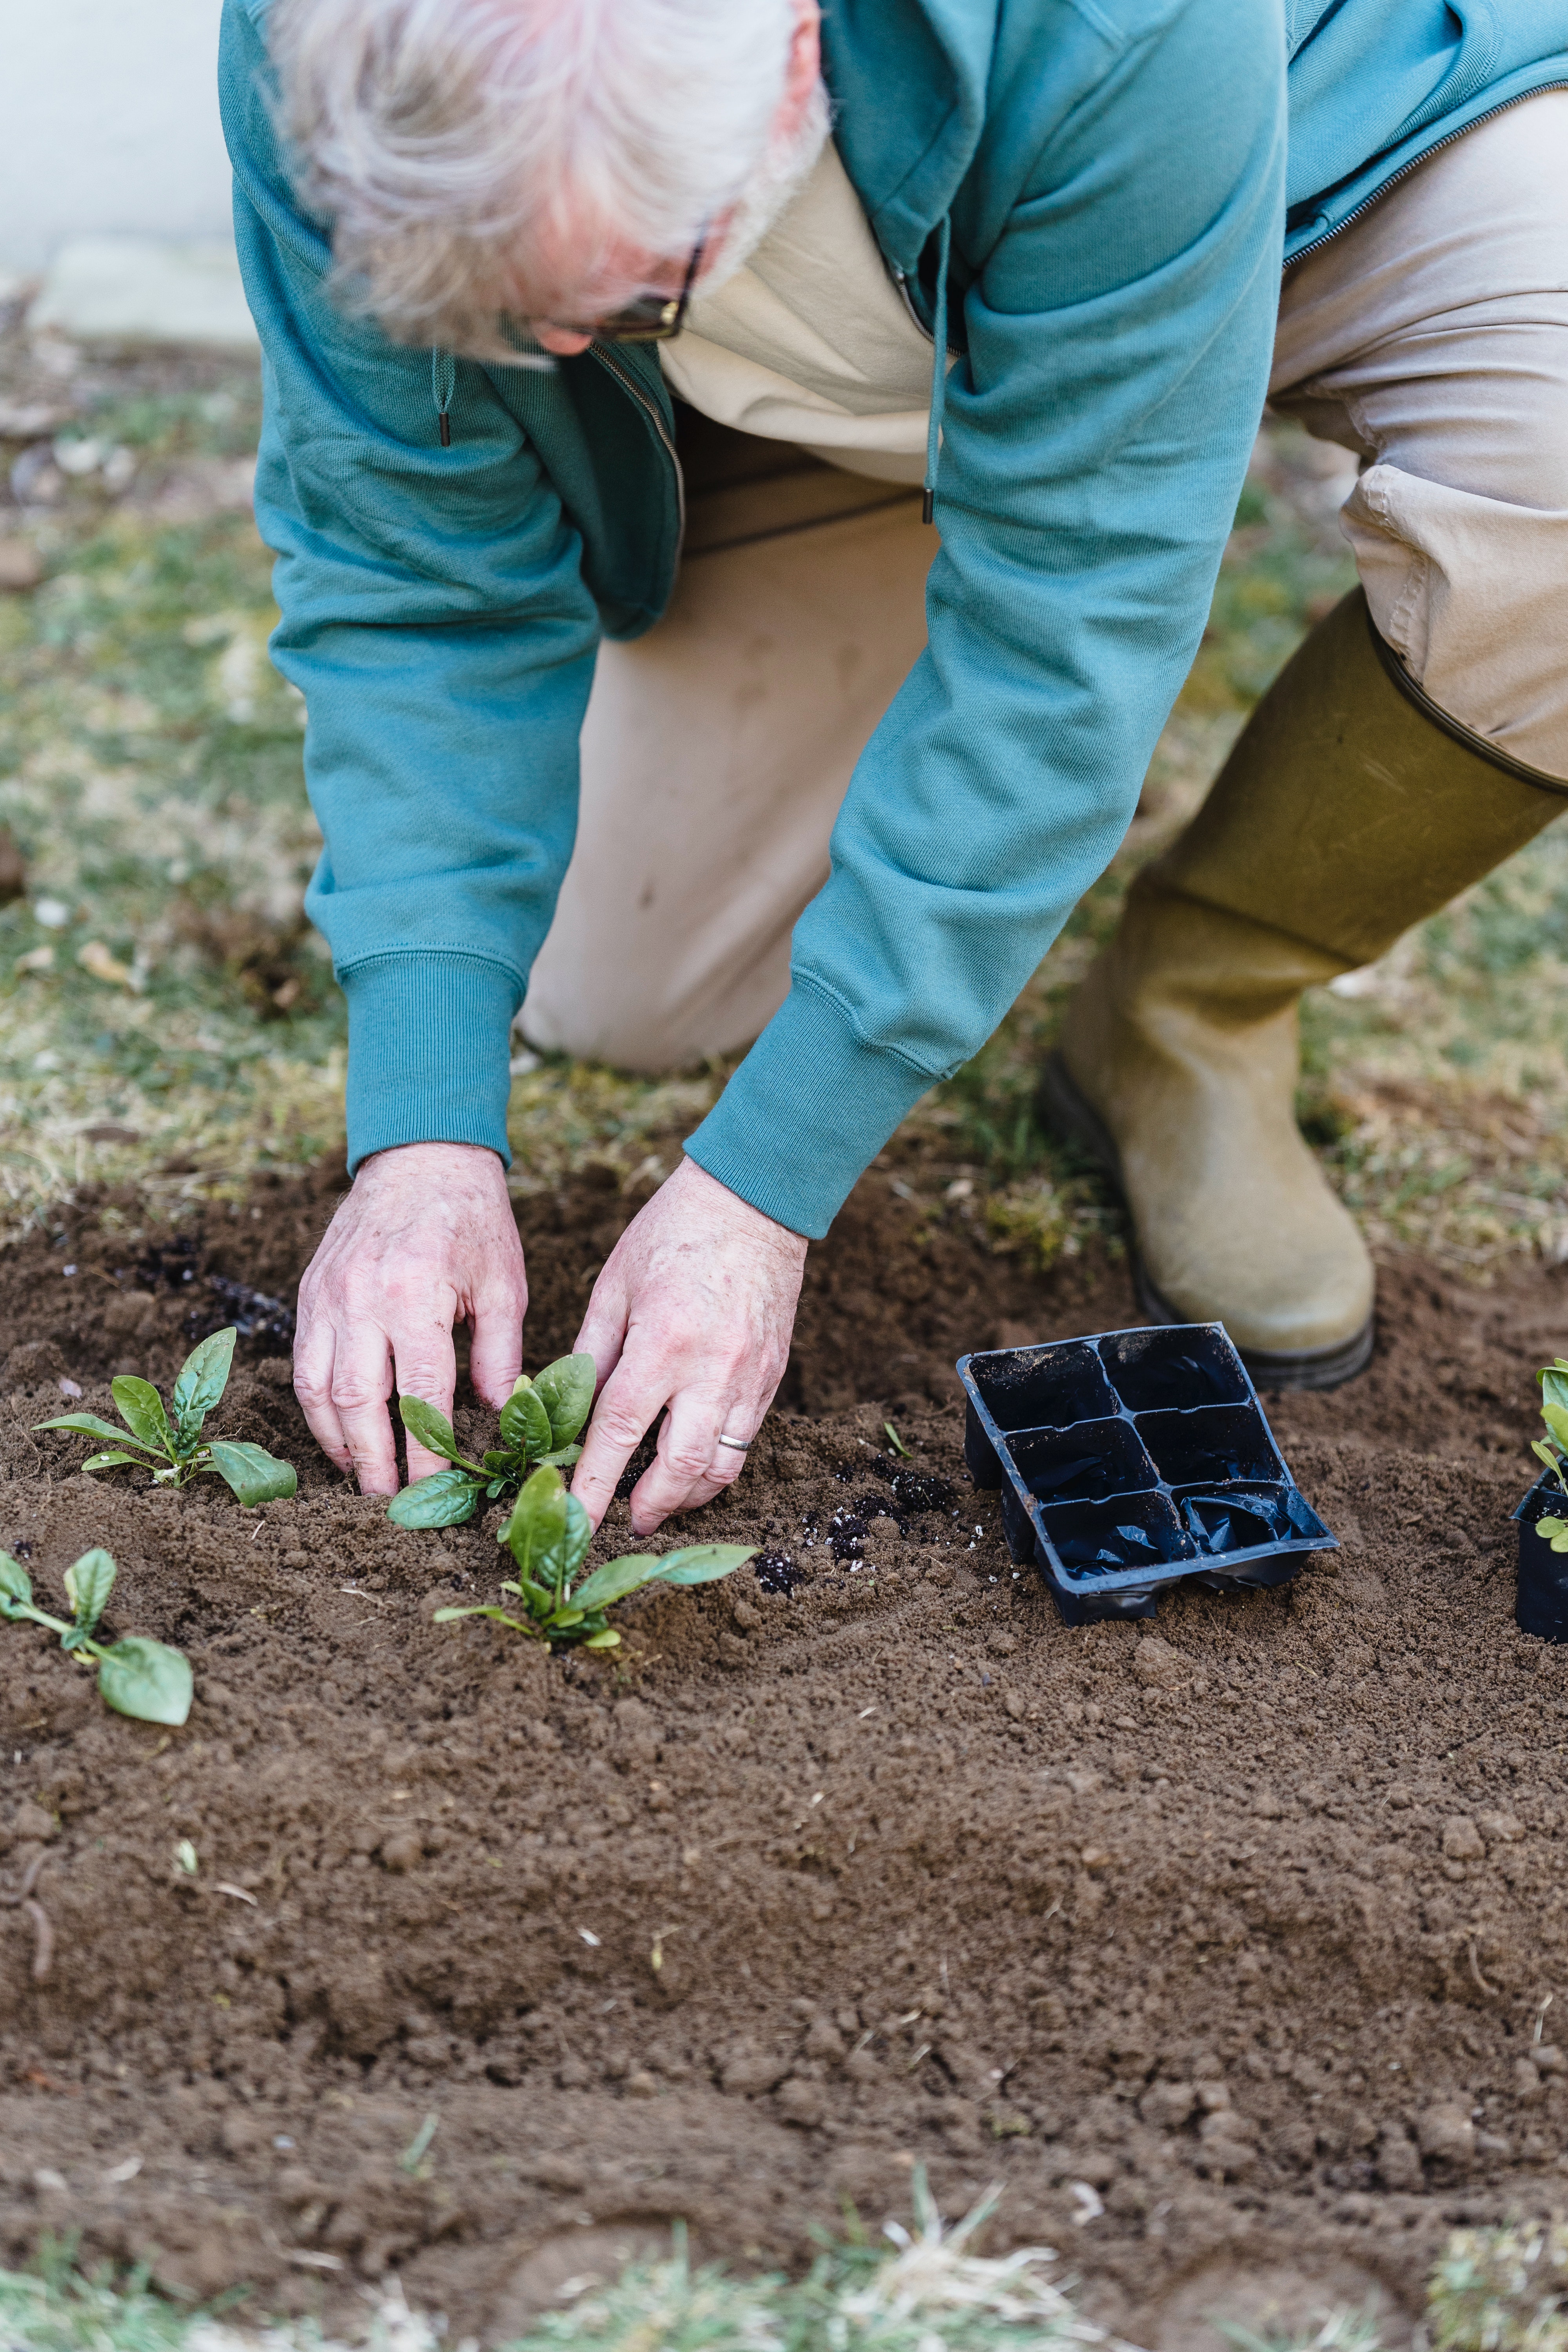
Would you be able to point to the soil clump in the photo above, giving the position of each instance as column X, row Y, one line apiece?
column 1240, row 1938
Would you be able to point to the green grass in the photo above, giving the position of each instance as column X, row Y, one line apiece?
column 1497, row 2289
column 150, row 769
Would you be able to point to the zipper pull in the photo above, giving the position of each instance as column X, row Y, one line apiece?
column 442, row 384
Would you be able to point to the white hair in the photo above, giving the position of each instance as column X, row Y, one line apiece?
column 485, row 157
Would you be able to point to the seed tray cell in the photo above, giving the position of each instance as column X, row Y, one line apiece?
column 1216, row 1441
column 1134, row 1460
column 1081, row 1464
column 1542, row 1607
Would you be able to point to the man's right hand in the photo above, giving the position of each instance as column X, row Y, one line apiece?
column 426, row 1240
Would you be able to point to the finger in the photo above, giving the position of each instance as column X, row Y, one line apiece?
column 627, row 1408
column 604, row 1332
column 313, row 1348
column 426, row 1368
column 361, row 1382
column 690, row 1464
column 495, row 1353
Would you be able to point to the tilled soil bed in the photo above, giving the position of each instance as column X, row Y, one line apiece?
column 1226, row 1938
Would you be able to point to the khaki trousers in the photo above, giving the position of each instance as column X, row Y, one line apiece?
column 1431, row 337
column 716, row 751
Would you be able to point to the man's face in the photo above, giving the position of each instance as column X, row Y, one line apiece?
column 627, row 272
column 623, row 271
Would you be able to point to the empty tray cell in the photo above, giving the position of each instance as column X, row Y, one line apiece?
column 1226, row 1440
column 1044, row 1387
column 1193, row 1364
column 1222, row 1519
column 1127, row 1533
column 1081, row 1464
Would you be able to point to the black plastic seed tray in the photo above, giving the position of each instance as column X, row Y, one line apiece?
column 1131, row 1460
column 1542, row 1606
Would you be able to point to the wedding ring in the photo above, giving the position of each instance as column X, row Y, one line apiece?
column 740, row 1444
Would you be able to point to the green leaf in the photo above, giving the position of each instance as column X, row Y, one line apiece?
column 567, row 1388
column 86, row 1424
column 140, row 1408
column 607, row 1640
column 563, row 1457
column 204, row 1376
column 615, row 1579
column 537, row 1524
column 497, row 1616
column 565, row 1619
column 114, row 1461
column 255, row 1476
column 88, row 1583
column 443, row 1500
column 146, row 1679
column 1555, row 1416
column 1554, row 1386
column 539, row 1601
column 1551, row 1527
column 561, row 1561
column 704, row 1563
column 525, row 1420
column 432, row 1431
column 15, row 1584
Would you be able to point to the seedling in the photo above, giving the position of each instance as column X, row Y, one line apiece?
column 136, row 1677
column 539, row 1422
column 1552, row 1451
column 548, row 1534
column 170, row 1443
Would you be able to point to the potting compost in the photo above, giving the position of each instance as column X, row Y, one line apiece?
column 419, row 1949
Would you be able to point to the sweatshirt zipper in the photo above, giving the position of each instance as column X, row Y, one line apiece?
column 1416, row 161
column 604, row 354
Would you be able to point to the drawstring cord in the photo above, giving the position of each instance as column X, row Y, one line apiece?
column 442, row 384
column 938, row 373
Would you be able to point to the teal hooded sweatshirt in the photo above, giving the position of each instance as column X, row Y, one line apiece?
column 1092, row 200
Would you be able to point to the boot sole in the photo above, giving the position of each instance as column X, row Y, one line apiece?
column 1066, row 1113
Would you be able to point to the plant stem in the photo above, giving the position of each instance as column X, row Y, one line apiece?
column 86, row 1647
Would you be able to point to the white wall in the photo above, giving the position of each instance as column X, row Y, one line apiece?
column 108, row 123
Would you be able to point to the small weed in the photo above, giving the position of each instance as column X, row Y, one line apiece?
column 1502, row 2291
column 548, row 1534
column 930, row 2291
column 255, row 1474
column 1339, row 2331
column 539, row 1421
column 136, row 1676
column 1551, row 1451
column 412, row 2161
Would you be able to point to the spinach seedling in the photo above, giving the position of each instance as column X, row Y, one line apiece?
column 548, row 1535
column 1553, row 1450
column 538, row 1424
column 170, row 1443
column 135, row 1675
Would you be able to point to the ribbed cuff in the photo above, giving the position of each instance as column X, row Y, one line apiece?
column 429, row 1051
column 806, row 1114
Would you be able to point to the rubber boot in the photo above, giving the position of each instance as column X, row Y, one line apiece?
column 1350, row 809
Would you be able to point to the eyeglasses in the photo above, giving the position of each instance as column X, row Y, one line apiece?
column 652, row 318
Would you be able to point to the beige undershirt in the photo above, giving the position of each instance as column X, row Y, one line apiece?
column 811, row 341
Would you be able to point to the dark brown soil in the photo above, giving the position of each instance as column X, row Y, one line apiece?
column 1226, row 1936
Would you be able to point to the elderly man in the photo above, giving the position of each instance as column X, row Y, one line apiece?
column 1029, row 255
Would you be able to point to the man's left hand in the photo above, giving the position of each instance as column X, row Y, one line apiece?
column 693, row 1310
